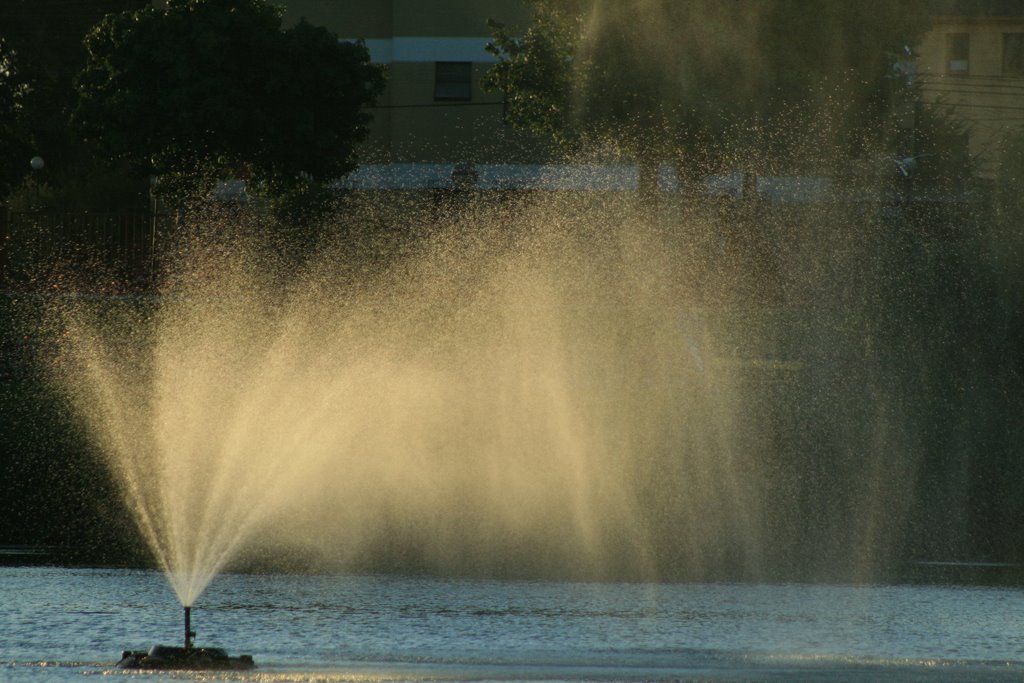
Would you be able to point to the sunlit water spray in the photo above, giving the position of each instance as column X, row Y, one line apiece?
column 536, row 396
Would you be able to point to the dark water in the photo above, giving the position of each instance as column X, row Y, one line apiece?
column 63, row 624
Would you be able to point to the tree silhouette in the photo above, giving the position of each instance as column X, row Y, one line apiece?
column 207, row 88
column 13, row 126
column 663, row 79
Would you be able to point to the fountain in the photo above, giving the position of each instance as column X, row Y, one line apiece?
column 454, row 394
column 186, row 657
column 569, row 386
column 578, row 393
column 490, row 398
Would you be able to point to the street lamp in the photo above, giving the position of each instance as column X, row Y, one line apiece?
column 36, row 163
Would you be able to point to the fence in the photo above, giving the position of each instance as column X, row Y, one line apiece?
column 121, row 248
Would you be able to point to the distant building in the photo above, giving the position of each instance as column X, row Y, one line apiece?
column 434, row 116
column 433, row 110
column 971, row 64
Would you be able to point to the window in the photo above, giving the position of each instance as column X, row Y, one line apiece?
column 1013, row 54
column 958, row 53
column 453, row 81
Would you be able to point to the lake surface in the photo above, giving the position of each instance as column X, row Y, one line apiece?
column 62, row 624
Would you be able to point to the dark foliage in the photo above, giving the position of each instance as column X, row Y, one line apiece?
column 216, row 87
column 14, row 145
column 663, row 78
column 46, row 36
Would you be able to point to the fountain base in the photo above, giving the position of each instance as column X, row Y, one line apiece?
column 189, row 658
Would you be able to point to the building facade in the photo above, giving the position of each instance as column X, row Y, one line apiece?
column 433, row 110
column 970, row 66
column 434, row 115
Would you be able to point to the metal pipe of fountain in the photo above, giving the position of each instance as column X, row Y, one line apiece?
column 189, row 633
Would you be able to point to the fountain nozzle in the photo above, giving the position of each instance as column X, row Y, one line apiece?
column 189, row 657
column 189, row 633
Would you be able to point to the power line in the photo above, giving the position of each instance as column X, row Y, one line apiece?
column 979, row 106
column 1016, row 84
column 436, row 104
column 967, row 77
column 937, row 85
column 998, row 119
column 1016, row 95
column 1006, row 99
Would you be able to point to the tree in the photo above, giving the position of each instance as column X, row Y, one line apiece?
column 46, row 36
column 712, row 79
column 201, row 88
column 13, row 134
column 1009, row 187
